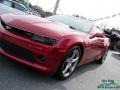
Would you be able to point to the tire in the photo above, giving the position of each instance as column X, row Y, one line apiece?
column 68, row 63
column 117, row 46
column 112, row 44
column 102, row 59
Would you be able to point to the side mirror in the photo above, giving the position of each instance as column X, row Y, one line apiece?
column 99, row 35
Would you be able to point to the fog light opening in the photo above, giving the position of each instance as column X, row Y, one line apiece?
column 41, row 58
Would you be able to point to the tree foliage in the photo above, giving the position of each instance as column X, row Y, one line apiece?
column 38, row 9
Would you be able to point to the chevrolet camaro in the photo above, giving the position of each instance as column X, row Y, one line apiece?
column 55, row 45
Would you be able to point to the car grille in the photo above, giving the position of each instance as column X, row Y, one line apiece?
column 16, row 50
column 17, row 31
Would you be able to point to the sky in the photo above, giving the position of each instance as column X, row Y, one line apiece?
column 88, row 8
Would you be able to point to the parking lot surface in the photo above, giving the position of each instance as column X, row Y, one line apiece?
column 15, row 76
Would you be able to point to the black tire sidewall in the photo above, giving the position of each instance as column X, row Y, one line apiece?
column 100, row 61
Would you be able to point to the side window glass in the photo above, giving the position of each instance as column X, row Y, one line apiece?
column 8, row 3
column 19, row 7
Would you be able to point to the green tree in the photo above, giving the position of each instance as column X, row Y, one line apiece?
column 38, row 9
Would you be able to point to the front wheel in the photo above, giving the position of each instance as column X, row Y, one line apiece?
column 69, row 63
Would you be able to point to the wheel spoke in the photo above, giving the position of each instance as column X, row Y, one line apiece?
column 71, row 69
column 74, row 60
column 75, row 52
column 66, row 68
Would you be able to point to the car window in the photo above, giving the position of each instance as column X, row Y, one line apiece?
column 19, row 7
column 8, row 3
column 73, row 22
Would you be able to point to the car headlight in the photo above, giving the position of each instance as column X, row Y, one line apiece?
column 44, row 39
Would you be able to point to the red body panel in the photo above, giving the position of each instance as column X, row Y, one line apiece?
column 66, row 37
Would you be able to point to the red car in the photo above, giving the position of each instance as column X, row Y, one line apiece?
column 53, row 45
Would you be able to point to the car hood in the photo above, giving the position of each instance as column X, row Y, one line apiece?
column 40, row 26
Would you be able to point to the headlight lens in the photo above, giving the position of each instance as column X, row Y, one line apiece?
column 44, row 39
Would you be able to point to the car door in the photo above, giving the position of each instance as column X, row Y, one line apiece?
column 94, row 45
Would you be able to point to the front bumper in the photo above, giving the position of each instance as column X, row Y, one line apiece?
column 52, row 55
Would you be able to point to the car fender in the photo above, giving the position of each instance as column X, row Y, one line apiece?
column 68, row 42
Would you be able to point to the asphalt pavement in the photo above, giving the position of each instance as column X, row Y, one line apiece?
column 15, row 76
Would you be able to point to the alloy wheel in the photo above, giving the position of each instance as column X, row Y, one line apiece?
column 70, row 62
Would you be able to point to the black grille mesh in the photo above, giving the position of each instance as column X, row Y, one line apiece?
column 16, row 50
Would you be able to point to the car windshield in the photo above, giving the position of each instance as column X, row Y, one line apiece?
column 73, row 22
